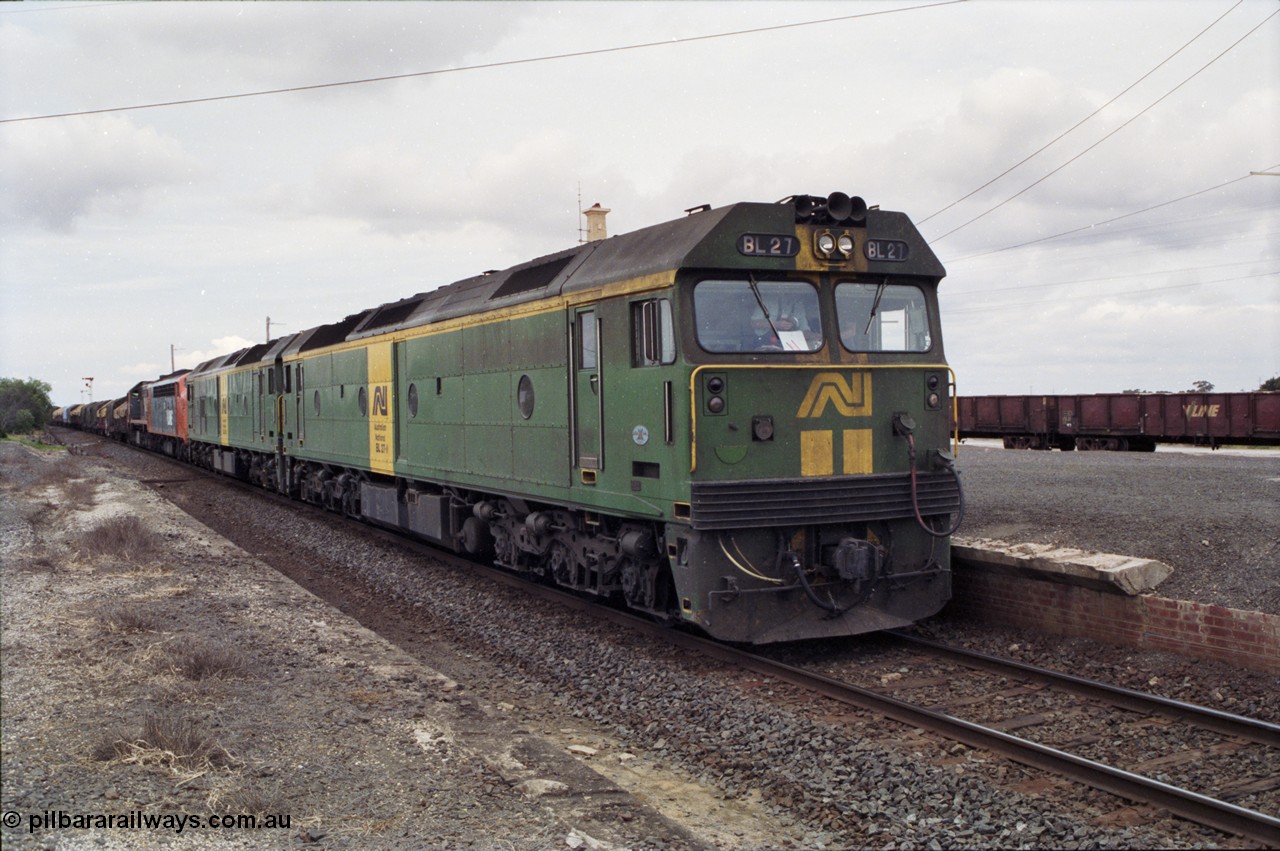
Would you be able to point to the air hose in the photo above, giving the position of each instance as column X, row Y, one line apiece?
column 828, row 604
column 915, row 499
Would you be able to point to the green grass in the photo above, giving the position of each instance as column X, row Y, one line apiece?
column 35, row 441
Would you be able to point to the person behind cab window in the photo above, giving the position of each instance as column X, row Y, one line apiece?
column 764, row 337
column 854, row 337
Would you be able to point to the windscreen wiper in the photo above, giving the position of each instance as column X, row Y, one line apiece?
column 755, row 291
column 875, row 305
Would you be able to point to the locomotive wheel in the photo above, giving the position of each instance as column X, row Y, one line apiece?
column 476, row 538
column 506, row 551
column 647, row 587
column 560, row 564
column 637, row 589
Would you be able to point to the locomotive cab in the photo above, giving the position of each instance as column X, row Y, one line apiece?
column 821, row 485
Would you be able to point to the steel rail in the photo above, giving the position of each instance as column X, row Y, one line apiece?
column 1230, row 818
column 1227, row 723
column 1202, row 809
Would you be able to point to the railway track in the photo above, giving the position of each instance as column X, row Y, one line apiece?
column 1181, row 802
column 1115, row 712
column 941, row 716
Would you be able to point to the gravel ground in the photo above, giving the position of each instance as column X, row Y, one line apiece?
column 739, row 763
column 1214, row 517
column 192, row 679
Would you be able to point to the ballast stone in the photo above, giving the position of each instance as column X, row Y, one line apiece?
column 1085, row 568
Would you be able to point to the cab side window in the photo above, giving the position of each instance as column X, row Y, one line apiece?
column 653, row 339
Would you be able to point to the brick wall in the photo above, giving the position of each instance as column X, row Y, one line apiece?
column 1201, row 631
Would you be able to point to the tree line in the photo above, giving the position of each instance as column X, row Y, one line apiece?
column 1270, row 385
column 24, row 406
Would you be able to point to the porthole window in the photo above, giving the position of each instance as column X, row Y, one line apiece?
column 413, row 400
column 363, row 400
column 315, row 402
column 524, row 396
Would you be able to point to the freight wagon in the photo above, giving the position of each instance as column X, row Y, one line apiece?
column 1133, row 422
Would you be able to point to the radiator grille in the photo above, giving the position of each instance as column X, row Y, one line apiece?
column 793, row 502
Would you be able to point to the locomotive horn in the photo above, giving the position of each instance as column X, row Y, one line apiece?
column 857, row 210
column 807, row 206
column 839, row 206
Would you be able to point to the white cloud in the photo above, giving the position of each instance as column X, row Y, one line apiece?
column 189, row 359
column 57, row 175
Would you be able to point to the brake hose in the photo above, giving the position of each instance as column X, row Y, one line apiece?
column 915, row 500
column 829, row 604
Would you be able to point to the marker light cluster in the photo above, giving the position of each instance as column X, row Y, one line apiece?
column 933, row 401
column 715, row 399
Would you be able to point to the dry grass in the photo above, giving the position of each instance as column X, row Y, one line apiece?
column 206, row 661
column 39, row 559
column 169, row 741
column 80, row 493
column 247, row 801
column 371, row 698
column 125, row 538
column 52, row 472
column 128, row 618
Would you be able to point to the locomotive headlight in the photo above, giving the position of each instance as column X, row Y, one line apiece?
column 826, row 244
column 715, row 404
column 934, row 401
column 845, row 244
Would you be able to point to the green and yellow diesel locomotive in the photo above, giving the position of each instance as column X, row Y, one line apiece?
column 737, row 419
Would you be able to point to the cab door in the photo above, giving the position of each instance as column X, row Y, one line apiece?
column 300, row 404
column 588, row 390
column 265, row 405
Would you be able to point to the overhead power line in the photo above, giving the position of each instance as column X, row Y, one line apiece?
column 484, row 66
column 1070, row 129
column 1109, row 135
column 1095, row 296
column 1104, row 222
column 954, row 294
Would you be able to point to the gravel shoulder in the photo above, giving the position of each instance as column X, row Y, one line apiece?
column 177, row 675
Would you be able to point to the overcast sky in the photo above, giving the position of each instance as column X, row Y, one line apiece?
column 123, row 233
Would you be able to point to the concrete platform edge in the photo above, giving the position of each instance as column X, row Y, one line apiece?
column 993, row 591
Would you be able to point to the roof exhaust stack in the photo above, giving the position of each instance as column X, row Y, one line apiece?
column 595, row 222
